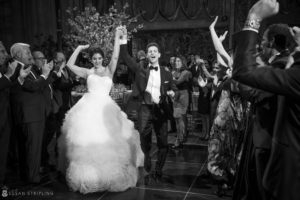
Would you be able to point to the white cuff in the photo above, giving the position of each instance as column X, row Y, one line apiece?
column 250, row 29
column 7, row 77
column 123, row 41
column 43, row 76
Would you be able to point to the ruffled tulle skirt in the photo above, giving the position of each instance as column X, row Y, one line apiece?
column 99, row 149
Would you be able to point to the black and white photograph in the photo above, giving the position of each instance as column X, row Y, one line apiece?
column 150, row 99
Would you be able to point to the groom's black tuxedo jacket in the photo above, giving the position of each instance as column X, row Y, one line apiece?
column 142, row 75
column 282, row 176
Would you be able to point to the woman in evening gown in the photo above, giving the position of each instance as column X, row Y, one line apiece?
column 99, row 149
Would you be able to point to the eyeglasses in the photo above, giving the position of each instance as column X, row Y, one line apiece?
column 58, row 62
column 40, row 58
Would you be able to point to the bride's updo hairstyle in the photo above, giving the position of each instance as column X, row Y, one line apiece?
column 96, row 50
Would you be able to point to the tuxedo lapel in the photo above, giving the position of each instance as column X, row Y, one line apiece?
column 35, row 72
column 162, row 75
column 147, row 73
column 65, row 74
column 162, row 80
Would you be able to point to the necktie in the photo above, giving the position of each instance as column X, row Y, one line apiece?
column 65, row 74
column 153, row 68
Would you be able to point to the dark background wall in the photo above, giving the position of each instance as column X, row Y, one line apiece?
column 179, row 26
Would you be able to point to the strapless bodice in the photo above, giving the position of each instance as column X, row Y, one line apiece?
column 99, row 84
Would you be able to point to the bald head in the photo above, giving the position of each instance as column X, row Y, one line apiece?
column 21, row 52
column 59, row 58
column 39, row 59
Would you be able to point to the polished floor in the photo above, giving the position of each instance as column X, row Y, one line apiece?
column 183, row 179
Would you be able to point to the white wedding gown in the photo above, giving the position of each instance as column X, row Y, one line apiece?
column 99, row 149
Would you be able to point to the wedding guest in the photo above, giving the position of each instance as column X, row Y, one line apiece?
column 63, row 88
column 182, row 78
column 197, row 71
column 281, row 178
column 7, row 70
column 29, row 113
column 274, row 51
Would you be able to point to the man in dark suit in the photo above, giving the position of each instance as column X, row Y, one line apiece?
column 29, row 112
column 6, row 73
column 48, row 93
column 275, row 52
column 152, row 81
column 281, row 178
column 63, row 87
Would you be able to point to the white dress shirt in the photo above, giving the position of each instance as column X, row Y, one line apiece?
column 153, row 85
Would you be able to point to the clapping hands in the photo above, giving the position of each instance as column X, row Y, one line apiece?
column 24, row 72
column 202, row 82
column 46, row 69
column 11, row 69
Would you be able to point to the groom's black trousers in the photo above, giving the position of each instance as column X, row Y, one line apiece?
column 149, row 117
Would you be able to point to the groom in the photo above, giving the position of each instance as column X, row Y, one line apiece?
column 152, row 82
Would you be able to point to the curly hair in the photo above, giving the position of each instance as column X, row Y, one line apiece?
column 281, row 35
column 96, row 50
column 183, row 61
column 153, row 44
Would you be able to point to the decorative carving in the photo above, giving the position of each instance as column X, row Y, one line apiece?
column 172, row 10
column 179, row 42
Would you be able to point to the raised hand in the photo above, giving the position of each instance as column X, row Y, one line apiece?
column 215, row 80
column 24, row 72
column 46, row 68
column 222, row 37
column 119, row 31
column 295, row 31
column 171, row 93
column 199, row 60
column 125, row 35
column 82, row 47
column 213, row 24
column 264, row 9
column 291, row 59
column 11, row 69
column 202, row 82
column 50, row 65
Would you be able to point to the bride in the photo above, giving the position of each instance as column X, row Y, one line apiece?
column 99, row 149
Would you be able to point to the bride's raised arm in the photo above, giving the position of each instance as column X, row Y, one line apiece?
column 79, row 71
column 115, row 56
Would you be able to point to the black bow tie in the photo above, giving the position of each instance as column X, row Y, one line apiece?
column 155, row 68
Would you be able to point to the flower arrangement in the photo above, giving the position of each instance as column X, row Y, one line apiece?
column 89, row 27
